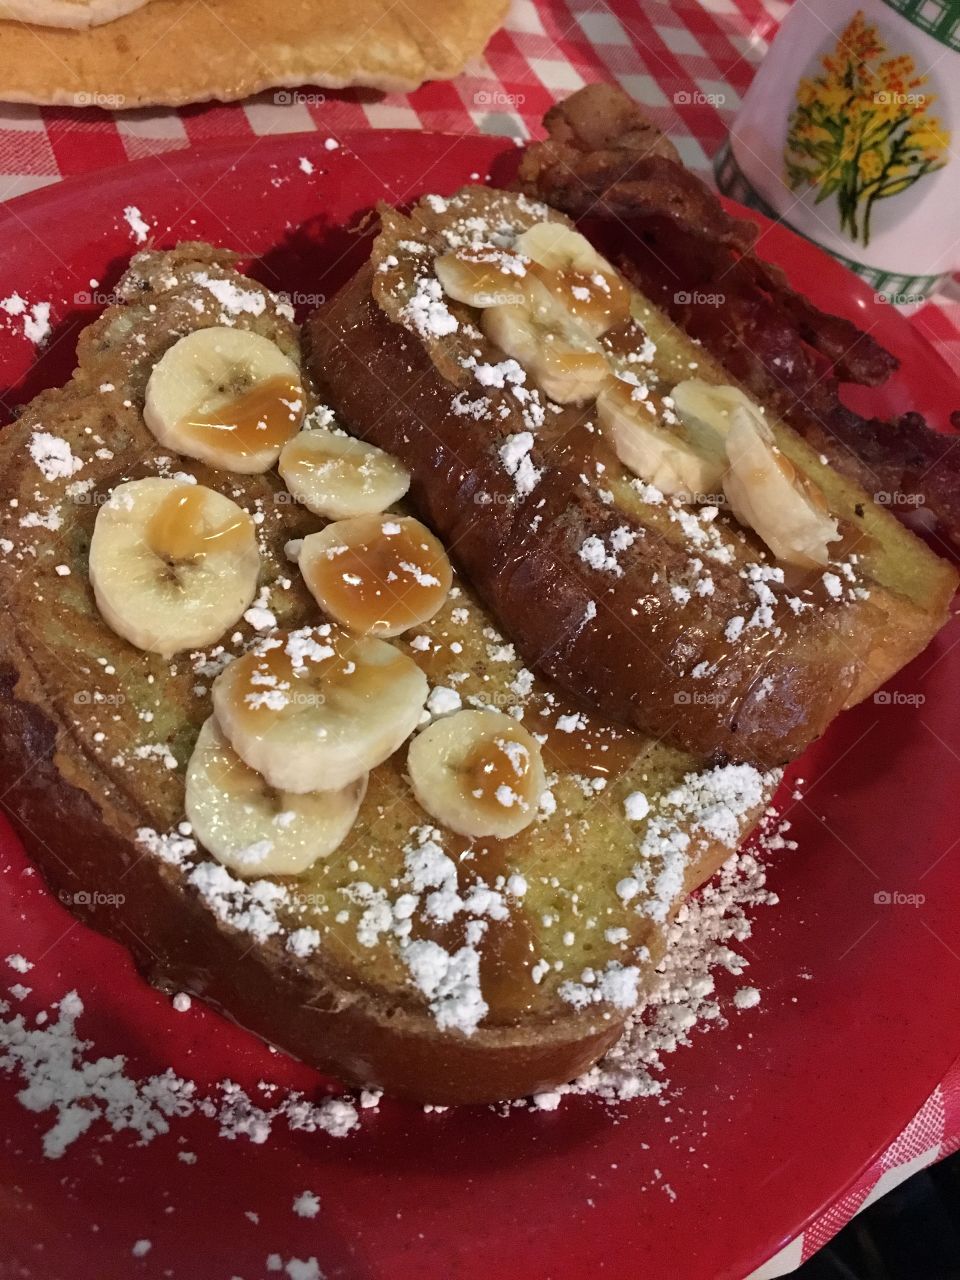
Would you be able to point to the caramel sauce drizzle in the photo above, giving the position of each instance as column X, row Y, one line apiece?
column 180, row 528
column 307, row 453
column 595, row 749
column 489, row 766
column 261, row 418
column 381, row 581
column 507, row 948
column 311, row 683
column 598, row 299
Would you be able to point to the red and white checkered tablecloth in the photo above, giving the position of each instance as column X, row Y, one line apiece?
column 689, row 64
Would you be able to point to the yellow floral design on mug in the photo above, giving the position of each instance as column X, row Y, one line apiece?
column 861, row 130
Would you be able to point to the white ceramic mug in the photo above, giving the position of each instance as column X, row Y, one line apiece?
column 846, row 135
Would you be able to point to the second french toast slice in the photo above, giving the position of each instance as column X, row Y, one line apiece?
column 665, row 612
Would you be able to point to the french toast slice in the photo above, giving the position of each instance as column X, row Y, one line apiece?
column 688, row 630
column 96, row 735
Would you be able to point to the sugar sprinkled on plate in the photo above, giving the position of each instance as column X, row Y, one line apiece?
column 134, row 219
column 306, row 1205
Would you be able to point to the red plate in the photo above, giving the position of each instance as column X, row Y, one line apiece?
column 769, row 1119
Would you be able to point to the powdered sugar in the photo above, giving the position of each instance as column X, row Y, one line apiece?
column 81, row 1092
column 139, row 227
column 427, row 312
column 34, row 317
column 515, row 456
column 683, row 997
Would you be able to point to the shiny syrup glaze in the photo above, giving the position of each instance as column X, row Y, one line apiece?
column 508, row 947
column 488, row 767
column 310, row 452
column 180, row 528
column 261, row 418
column 563, row 357
column 625, row 338
column 343, row 673
column 598, row 300
column 493, row 274
column 597, row 748
column 370, row 586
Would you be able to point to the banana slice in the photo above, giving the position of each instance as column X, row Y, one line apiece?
column 253, row 829
column 769, row 495
column 172, row 565
column 316, row 709
column 480, row 773
column 680, row 459
column 559, row 355
column 482, row 275
column 580, row 279
column 378, row 575
column 706, row 407
column 337, row 476
column 226, row 396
